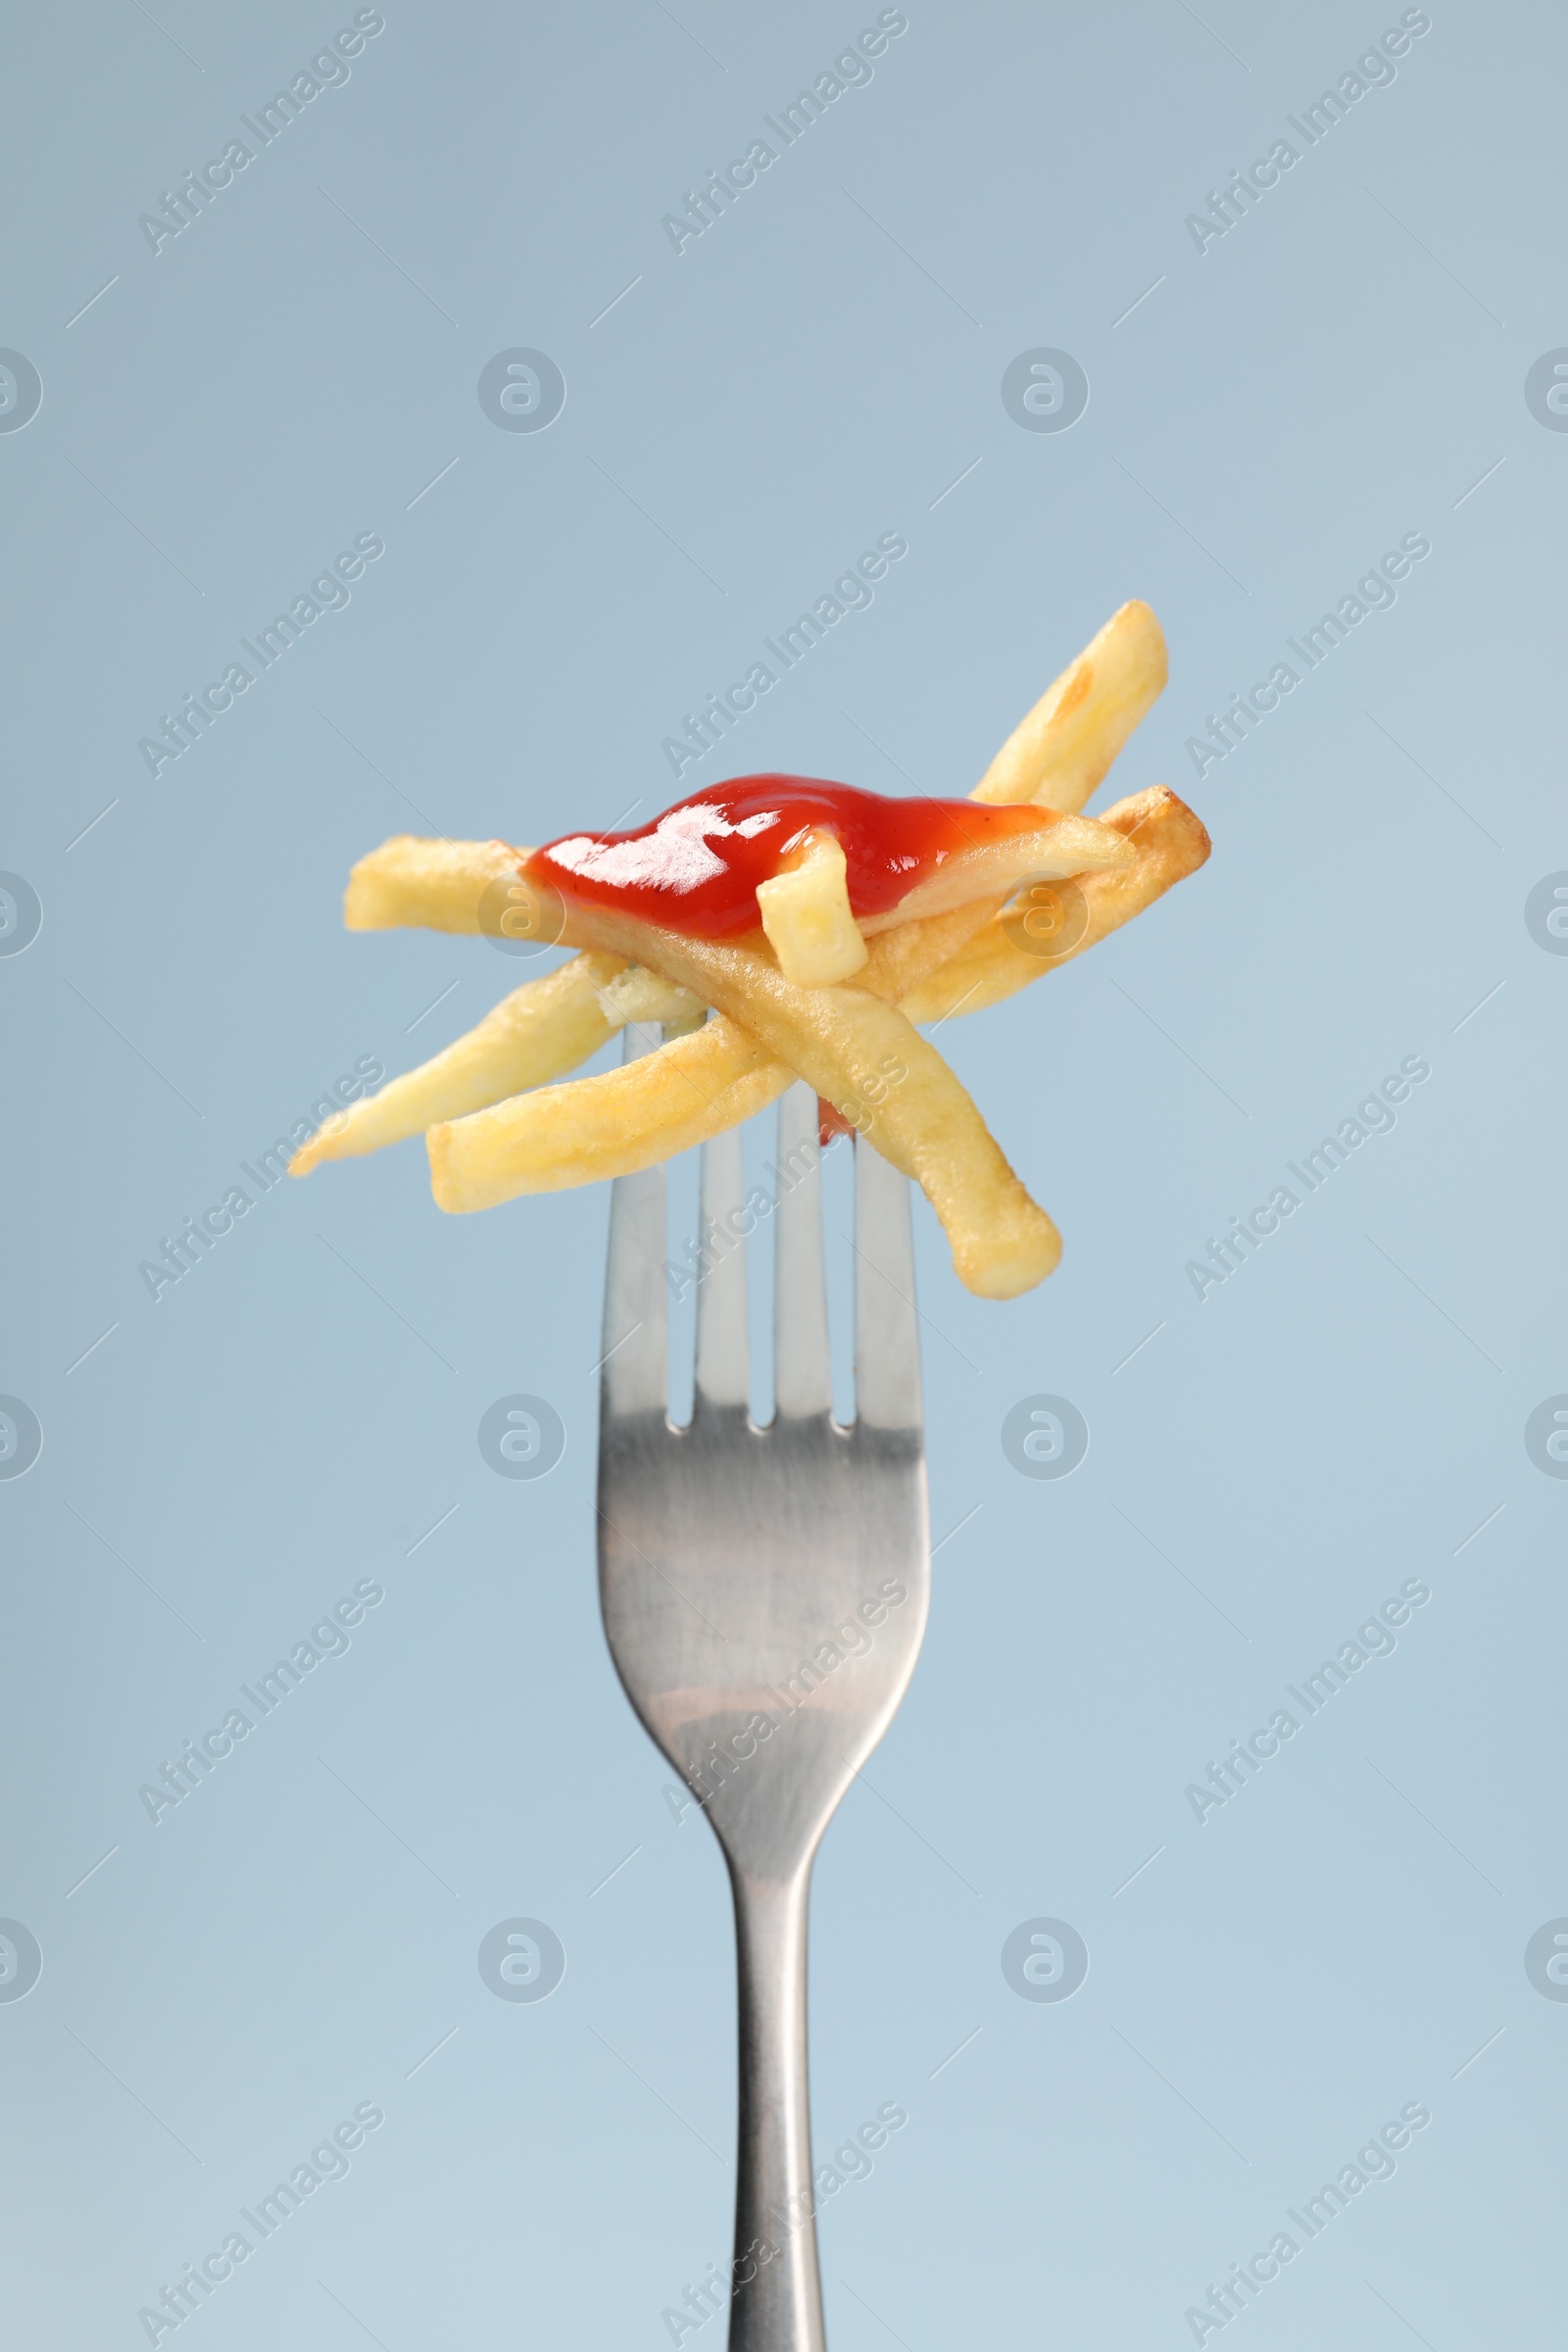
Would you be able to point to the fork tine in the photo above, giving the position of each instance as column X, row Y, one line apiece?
column 635, row 1338
column 887, row 1336
column 723, row 1357
column 803, row 1374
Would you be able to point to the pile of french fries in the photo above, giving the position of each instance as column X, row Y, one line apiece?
column 812, row 992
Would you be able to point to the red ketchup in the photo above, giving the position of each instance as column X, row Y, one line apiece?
column 696, row 868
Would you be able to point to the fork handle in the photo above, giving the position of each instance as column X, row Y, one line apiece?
column 777, row 2301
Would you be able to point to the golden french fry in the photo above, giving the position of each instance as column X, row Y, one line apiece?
column 637, row 995
column 438, row 884
column 868, row 1060
column 1168, row 841
column 618, row 1121
column 1056, row 847
column 807, row 918
column 607, row 1125
column 1061, row 751
column 901, row 960
column 539, row 1032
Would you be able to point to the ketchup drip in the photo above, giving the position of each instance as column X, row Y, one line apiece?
column 830, row 1123
column 696, row 868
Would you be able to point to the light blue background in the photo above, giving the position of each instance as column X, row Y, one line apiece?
column 819, row 368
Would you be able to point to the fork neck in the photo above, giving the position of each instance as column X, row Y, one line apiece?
column 777, row 2304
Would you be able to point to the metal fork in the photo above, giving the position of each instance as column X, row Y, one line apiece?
column 765, row 1594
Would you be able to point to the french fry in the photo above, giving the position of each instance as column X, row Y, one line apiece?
column 618, row 1121
column 867, row 1060
column 901, row 960
column 610, row 1124
column 638, row 995
column 1056, row 847
column 1063, row 750
column 539, row 1032
column 1168, row 841
column 807, row 918
column 438, row 884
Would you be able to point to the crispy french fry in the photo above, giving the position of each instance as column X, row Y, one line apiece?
column 438, row 884
column 607, row 1125
column 638, row 995
column 807, row 918
column 870, row 1062
column 539, row 1032
column 1168, row 841
column 901, row 960
column 618, row 1121
column 1056, row 847
column 1061, row 751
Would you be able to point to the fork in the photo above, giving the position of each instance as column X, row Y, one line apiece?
column 764, row 1594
